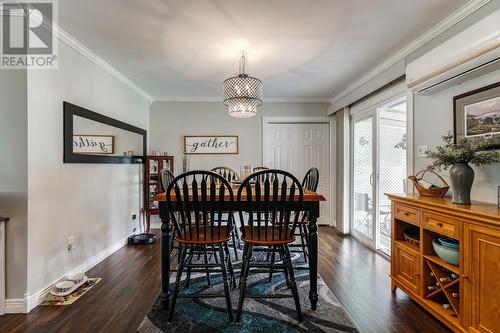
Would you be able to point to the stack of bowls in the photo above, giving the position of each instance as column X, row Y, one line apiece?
column 447, row 249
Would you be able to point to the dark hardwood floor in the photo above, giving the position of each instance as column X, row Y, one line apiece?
column 118, row 303
column 358, row 276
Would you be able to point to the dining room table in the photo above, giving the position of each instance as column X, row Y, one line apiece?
column 310, row 204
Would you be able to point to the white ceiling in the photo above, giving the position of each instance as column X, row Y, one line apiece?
column 184, row 49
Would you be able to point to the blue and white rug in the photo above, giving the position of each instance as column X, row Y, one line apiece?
column 259, row 315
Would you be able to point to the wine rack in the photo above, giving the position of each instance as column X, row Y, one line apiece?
column 443, row 277
column 442, row 287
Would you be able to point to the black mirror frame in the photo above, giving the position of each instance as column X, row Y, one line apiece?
column 71, row 110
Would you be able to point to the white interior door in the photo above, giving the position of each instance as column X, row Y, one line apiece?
column 298, row 147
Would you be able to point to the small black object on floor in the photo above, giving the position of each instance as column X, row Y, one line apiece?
column 142, row 239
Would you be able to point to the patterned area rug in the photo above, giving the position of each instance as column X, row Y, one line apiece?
column 259, row 315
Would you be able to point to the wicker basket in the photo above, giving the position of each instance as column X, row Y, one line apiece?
column 429, row 192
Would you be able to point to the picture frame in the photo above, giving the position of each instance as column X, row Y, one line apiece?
column 476, row 114
column 93, row 144
column 211, row 144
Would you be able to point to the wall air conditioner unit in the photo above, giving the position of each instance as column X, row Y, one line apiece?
column 469, row 54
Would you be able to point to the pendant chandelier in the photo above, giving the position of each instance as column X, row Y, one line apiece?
column 242, row 93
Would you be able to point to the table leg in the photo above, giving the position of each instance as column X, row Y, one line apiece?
column 313, row 255
column 165, row 263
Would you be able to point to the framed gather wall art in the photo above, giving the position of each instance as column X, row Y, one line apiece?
column 211, row 144
column 93, row 144
column 477, row 114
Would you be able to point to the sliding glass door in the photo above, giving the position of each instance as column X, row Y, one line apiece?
column 362, row 178
column 378, row 166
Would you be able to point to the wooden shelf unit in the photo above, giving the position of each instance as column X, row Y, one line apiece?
column 469, row 289
column 154, row 165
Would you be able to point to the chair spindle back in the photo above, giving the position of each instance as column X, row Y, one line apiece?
column 272, row 198
column 200, row 196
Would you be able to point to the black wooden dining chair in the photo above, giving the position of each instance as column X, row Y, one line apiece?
column 199, row 197
column 269, row 220
column 230, row 175
column 310, row 182
column 257, row 169
column 166, row 177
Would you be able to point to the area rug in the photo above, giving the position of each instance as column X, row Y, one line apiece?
column 259, row 315
column 73, row 297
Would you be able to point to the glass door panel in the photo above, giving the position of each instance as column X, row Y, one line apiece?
column 392, row 165
column 362, row 177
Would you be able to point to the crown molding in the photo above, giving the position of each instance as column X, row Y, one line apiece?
column 297, row 100
column 265, row 100
column 186, row 99
column 76, row 45
column 435, row 31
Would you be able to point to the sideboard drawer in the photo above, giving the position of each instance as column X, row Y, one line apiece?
column 407, row 214
column 441, row 224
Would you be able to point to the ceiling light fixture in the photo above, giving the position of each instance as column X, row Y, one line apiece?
column 242, row 93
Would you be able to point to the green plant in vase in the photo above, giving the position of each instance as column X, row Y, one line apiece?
column 457, row 157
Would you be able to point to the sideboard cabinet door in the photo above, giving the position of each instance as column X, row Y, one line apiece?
column 407, row 267
column 482, row 277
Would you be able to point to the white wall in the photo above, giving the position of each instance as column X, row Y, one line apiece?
column 433, row 117
column 90, row 201
column 14, row 177
column 170, row 121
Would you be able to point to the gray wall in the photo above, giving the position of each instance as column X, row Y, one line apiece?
column 170, row 121
column 92, row 202
column 14, row 177
column 433, row 117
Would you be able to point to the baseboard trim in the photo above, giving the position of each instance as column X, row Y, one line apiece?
column 15, row 305
column 31, row 301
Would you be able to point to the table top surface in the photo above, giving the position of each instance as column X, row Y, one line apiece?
column 309, row 196
column 476, row 208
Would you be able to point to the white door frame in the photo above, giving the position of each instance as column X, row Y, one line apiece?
column 267, row 120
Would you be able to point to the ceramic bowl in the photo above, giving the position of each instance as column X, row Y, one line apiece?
column 77, row 278
column 449, row 255
column 449, row 242
column 64, row 286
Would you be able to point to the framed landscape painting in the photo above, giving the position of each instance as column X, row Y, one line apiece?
column 477, row 114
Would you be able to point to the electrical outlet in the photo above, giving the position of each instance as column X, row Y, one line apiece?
column 71, row 243
column 421, row 151
column 133, row 215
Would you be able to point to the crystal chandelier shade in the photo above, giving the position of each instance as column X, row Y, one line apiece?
column 242, row 93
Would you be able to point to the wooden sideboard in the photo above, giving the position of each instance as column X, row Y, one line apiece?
column 472, row 293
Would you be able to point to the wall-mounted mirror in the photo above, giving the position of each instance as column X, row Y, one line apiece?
column 90, row 137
